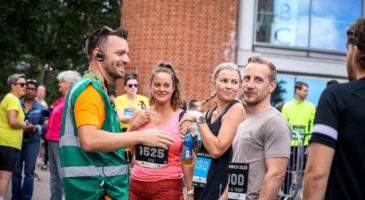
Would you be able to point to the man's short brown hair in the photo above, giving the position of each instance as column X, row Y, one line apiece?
column 262, row 60
column 356, row 37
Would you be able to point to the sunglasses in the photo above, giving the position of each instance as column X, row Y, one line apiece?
column 31, row 89
column 132, row 85
column 20, row 84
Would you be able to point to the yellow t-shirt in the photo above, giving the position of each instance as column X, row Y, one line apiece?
column 8, row 136
column 122, row 103
column 300, row 116
column 89, row 108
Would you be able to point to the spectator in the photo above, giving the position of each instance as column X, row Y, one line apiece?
column 299, row 112
column 128, row 103
column 11, row 128
column 65, row 81
column 22, row 188
column 41, row 95
column 300, row 115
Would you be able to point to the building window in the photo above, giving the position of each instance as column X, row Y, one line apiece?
column 316, row 86
column 318, row 25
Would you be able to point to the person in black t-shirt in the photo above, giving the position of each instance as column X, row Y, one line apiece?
column 336, row 161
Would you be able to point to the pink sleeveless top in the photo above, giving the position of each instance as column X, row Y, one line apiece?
column 173, row 168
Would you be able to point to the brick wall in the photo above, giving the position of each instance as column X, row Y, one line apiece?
column 193, row 35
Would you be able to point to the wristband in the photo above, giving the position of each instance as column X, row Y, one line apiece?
column 190, row 192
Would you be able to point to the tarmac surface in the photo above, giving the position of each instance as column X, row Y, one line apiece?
column 41, row 189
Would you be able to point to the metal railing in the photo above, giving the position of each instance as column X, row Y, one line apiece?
column 294, row 175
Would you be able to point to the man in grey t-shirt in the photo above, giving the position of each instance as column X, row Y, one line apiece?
column 262, row 142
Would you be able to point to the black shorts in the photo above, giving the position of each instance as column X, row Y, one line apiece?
column 8, row 158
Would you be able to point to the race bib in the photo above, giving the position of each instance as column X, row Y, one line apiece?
column 128, row 112
column 237, row 180
column 151, row 157
column 201, row 169
column 299, row 128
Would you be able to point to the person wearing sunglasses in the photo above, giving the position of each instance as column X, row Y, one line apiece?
column 128, row 103
column 22, row 188
column 11, row 128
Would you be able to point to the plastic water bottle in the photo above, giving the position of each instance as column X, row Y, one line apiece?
column 187, row 148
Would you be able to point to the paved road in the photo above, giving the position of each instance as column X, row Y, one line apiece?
column 41, row 188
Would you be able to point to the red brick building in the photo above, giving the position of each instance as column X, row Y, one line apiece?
column 194, row 36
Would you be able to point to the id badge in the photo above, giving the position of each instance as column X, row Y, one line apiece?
column 151, row 157
column 300, row 129
column 201, row 169
column 237, row 181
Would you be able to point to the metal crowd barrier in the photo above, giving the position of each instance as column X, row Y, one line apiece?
column 292, row 184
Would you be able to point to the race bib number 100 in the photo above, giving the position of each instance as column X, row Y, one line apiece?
column 151, row 157
column 201, row 169
column 237, row 180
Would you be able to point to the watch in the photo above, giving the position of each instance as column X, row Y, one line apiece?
column 201, row 120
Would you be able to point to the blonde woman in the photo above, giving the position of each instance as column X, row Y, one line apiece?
column 217, row 128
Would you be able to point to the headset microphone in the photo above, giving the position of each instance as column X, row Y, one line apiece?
column 100, row 55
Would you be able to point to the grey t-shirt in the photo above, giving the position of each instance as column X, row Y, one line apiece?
column 262, row 135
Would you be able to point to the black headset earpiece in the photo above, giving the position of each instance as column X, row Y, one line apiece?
column 100, row 55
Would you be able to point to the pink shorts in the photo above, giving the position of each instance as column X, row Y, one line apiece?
column 171, row 189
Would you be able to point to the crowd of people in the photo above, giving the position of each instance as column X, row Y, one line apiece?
column 130, row 147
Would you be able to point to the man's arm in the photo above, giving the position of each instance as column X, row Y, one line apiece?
column 317, row 171
column 89, row 113
column 93, row 139
column 276, row 168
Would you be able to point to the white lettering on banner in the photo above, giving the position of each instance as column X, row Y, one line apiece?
column 284, row 26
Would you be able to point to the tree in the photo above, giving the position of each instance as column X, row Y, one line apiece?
column 43, row 37
column 277, row 95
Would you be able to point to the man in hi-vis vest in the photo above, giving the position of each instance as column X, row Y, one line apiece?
column 92, row 146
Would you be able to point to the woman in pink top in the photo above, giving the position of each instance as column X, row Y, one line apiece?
column 66, row 79
column 157, row 173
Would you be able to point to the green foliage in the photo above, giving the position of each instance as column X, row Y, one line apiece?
column 278, row 93
column 48, row 36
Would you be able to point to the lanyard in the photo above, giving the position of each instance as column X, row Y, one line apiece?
column 93, row 76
